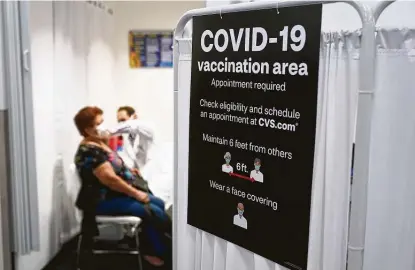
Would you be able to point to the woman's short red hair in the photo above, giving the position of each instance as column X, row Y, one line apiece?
column 85, row 118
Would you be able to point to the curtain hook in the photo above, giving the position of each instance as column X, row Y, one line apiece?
column 278, row 11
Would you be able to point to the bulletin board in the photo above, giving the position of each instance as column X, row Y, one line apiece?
column 150, row 49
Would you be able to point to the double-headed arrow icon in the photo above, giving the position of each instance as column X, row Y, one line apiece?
column 242, row 177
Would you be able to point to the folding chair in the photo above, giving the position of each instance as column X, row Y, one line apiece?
column 132, row 222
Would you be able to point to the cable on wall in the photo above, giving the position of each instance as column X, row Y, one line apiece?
column 101, row 5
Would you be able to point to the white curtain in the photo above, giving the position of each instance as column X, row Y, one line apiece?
column 83, row 68
column 338, row 84
column 390, row 227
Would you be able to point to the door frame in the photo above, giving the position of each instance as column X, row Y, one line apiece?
column 19, row 213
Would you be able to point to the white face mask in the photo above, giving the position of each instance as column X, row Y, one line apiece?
column 103, row 131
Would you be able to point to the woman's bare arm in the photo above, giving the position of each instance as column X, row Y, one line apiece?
column 107, row 176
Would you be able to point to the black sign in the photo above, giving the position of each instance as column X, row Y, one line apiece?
column 252, row 129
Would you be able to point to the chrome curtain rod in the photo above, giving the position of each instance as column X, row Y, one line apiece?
column 101, row 5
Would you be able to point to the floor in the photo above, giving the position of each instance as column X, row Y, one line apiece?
column 66, row 258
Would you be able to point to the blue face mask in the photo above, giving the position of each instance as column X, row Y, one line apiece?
column 240, row 212
column 227, row 160
column 257, row 167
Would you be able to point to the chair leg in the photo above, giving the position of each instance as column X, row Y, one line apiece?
column 78, row 253
column 84, row 253
column 137, row 242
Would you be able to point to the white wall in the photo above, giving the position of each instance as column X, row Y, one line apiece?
column 148, row 90
column 341, row 16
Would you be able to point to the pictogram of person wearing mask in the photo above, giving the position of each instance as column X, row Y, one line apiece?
column 256, row 174
column 239, row 219
column 226, row 168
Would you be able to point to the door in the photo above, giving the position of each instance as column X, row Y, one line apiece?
column 5, row 248
column 19, row 227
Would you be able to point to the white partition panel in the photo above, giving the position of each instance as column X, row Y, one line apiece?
column 390, row 237
column 390, row 234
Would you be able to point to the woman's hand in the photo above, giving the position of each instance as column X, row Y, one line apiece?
column 142, row 197
column 135, row 171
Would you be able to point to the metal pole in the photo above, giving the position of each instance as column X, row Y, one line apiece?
column 380, row 7
column 358, row 214
column 367, row 52
column 357, row 228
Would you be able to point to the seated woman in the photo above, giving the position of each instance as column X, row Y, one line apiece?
column 107, row 184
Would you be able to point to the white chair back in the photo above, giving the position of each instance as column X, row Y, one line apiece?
column 72, row 215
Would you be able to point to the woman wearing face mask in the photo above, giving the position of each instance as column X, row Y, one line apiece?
column 107, row 184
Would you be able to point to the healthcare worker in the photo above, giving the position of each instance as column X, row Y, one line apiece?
column 256, row 174
column 239, row 219
column 134, row 132
column 138, row 144
column 226, row 168
column 138, row 138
